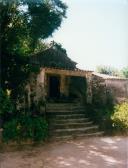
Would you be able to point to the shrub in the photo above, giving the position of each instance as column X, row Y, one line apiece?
column 108, row 70
column 6, row 105
column 11, row 130
column 25, row 128
column 125, row 72
column 120, row 117
column 101, row 115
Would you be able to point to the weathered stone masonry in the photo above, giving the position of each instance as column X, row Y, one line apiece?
column 108, row 88
column 64, row 79
column 100, row 88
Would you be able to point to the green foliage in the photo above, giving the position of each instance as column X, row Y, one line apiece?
column 125, row 72
column 112, row 71
column 111, row 119
column 58, row 47
column 23, row 24
column 29, row 21
column 25, row 128
column 11, row 131
column 5, row 104
column 107, row 70
column 40, row 47
column 14, row 72
column 120, row 117
column 101, row 115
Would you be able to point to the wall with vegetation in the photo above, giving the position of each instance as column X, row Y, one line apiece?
column 118, row 88
column 105, row 90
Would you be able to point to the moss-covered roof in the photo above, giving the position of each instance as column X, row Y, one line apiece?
column 53, row 57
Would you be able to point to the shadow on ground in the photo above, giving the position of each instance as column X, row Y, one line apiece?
column 99, row 152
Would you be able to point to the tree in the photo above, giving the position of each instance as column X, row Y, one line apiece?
column 23, row 23
column 58, row 47
column 125, row 72
column 107, row 70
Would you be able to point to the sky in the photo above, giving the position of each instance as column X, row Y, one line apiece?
column 95, row 33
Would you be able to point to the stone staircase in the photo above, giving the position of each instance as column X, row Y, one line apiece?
column 68, row 120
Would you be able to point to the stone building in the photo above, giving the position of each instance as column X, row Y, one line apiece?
column 53, row 84
column 57, row 80
column 60, row 80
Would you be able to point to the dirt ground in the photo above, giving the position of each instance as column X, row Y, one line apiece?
column 99, row 152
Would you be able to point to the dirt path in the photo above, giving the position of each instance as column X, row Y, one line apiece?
column 106, row 152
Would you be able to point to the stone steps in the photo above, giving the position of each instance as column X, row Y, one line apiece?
column 67, row 137
column 74, row 131
column 69, row 121
column 70, row 116
column 70, row 125
column 66, row 121
column 65, row 111
column 65, row 107
column 63, row 104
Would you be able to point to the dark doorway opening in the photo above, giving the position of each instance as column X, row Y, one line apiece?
column 54, row 86
column 78, row 88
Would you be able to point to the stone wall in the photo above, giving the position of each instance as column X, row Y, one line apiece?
column 106, row 89
column 118, row 88
column 98, row 90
